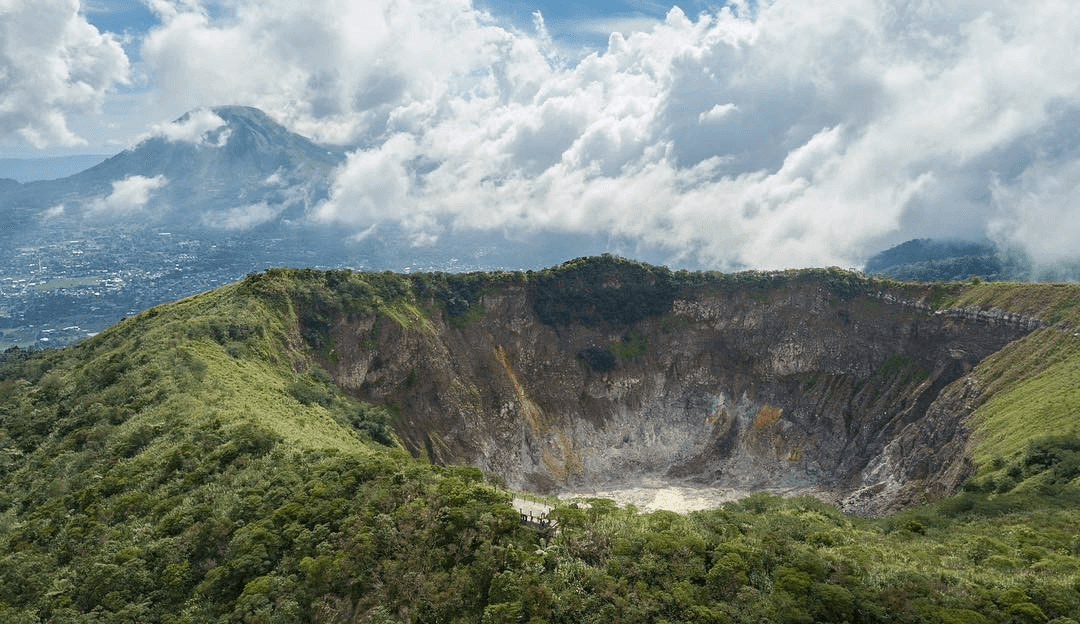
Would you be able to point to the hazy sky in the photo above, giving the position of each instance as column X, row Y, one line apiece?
column 762, row 134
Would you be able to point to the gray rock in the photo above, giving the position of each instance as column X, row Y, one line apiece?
column 859, row 402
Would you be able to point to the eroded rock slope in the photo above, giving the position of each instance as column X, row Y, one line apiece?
column 605, row 371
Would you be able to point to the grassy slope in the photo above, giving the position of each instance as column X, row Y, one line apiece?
column 243, row 378
column 191, row 464
column 1033, row 385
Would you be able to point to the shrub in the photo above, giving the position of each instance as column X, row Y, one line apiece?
column 597, row 359
column 602, row 290
column 631, row 346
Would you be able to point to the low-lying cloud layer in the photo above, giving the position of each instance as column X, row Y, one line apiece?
column 128, row 196
column 241, row 217
column 765, row 134
column 196, row 128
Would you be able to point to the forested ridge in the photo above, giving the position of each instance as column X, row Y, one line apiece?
column 195, row 463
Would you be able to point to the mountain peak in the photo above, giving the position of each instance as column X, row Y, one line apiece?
column 224, row 146
column 249, row 118
column 229, row 112
column 209, row 162
column 239, row 111
column 215, row 128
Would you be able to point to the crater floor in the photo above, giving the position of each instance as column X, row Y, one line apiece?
column 650, row 493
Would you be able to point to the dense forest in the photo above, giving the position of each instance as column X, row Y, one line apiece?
column 196, row 464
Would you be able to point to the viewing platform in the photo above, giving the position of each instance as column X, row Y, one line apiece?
column 534, row 514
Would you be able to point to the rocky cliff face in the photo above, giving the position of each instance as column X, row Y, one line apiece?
column 857, row 399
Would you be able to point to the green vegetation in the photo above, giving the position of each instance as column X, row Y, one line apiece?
column 902, row 368
column 459, row 294
column 944, row 296
column 197, row 464
column 618, row 292
column 949, row 260
column 602, row 290
column 929, row 260
column 599, row 359
column 1033, row 385
column 632, row 345
column 1053, row 303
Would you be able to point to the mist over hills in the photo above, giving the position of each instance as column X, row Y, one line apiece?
column 195, row 204
column 927, row 259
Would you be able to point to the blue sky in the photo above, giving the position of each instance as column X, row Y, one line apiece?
column 578, row 25
column 752, row 133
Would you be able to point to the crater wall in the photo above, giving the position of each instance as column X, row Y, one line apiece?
column 859, row 400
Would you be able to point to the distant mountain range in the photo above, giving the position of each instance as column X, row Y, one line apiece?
column 232, row 172
column 928, row 259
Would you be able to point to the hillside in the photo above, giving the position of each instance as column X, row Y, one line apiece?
column 928, row 259
column 241, row 455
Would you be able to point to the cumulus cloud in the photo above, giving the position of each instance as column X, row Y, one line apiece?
column 197, row 127
column 768, row 134
column 128, row 195
column 331, row 68
column 371, row 185
column 53, row 64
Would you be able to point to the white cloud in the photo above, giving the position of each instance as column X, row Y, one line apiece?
column 128, row 195
column 717, row 113
column 196, row 127
column 53, row 64
column 625, row 25
column 241, row 217
column 1040, row 212
column 791, row 134
column 371, row 186
column 332, row 68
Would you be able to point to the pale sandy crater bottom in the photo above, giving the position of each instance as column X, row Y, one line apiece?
column 652, row 494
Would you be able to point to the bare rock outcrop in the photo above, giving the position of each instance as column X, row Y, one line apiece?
column 859, row 400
